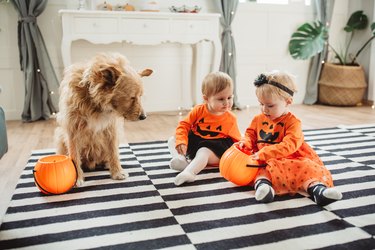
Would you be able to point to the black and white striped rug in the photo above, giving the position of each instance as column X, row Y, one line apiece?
column 147, row 211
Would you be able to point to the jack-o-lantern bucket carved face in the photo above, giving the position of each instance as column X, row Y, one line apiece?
column 237, row 166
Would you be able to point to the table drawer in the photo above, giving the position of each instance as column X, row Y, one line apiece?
column 102, row 25
column 140, row 26
column 190, row 27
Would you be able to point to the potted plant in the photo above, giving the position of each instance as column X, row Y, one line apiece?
column 341, row 82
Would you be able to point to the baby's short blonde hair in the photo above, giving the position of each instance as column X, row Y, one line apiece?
column 216, row 82
column 281, row 80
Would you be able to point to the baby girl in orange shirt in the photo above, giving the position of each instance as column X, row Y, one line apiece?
column 275, row 136
column 207, row 131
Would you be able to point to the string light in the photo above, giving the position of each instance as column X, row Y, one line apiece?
column 180, row 110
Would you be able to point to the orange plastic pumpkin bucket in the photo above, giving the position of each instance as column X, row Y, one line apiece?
column 55, row 174
column 237, row 166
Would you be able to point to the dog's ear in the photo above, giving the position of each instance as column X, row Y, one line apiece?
column 110, row 76
column 146, row 72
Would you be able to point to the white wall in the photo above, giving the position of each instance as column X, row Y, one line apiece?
column 11, row 88
column 261, row 34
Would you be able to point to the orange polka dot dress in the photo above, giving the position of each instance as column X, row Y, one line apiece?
column 291, row 162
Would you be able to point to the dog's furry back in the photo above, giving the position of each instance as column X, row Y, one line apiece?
column 93, row 96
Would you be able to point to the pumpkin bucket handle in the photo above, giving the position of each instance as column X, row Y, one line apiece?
column 256, row 166
column 248, row 152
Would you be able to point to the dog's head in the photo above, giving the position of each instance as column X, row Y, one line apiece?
column 114, row 86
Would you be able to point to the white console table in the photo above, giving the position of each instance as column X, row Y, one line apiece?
column 144, row 28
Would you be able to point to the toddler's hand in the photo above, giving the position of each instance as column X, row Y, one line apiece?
column 241, row 144
column 255, row 156
column 181, row 149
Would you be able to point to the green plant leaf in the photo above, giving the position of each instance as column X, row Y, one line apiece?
column 373, row 28
column 308, row 40
column 357, row 21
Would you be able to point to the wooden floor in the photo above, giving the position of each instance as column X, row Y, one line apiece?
column 25, row 137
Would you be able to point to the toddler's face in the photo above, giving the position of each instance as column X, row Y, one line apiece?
column 273, row 108
column 220, row 102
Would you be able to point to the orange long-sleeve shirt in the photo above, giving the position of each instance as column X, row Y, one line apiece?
column 291, row 162
column 208, row 126
column 282, row 136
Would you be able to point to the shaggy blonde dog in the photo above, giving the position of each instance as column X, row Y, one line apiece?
column 93, row 96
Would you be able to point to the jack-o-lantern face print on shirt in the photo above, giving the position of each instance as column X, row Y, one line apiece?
column 209, row 130
column 269, row 133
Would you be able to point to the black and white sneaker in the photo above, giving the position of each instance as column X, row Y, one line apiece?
column 264, row 191
column 322, row 195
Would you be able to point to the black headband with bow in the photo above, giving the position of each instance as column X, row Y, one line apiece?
column 262, row 79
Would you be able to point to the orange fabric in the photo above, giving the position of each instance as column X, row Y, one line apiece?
column 291, row 161
column 208, row 126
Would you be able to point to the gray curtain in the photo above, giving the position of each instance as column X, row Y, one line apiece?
column 228, row 10
column 324, row 9
column 41, row 84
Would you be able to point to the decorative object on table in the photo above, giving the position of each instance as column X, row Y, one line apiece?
column 104, row 6
column 118, row 7
column 123, row 7
column 310, row 39
column 55, row 174
column 185, row 9
column 150, row 5
column 128, row 7
column 237, row 166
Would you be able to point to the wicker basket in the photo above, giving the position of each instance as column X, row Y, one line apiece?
column 342, row 85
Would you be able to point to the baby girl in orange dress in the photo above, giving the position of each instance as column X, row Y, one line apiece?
column 275, row 136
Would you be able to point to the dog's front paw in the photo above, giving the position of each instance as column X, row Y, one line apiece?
column 80, row 182
column 120, row 175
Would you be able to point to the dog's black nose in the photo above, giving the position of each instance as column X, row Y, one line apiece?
column 142, row 117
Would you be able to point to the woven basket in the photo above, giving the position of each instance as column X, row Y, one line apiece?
column 342, row 85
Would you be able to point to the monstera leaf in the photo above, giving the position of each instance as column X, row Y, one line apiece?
column 308, row 40
column 357, row 21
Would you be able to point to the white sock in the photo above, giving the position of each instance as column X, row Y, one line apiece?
column 184, row 176
column 178, row 163
column 196, row 166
